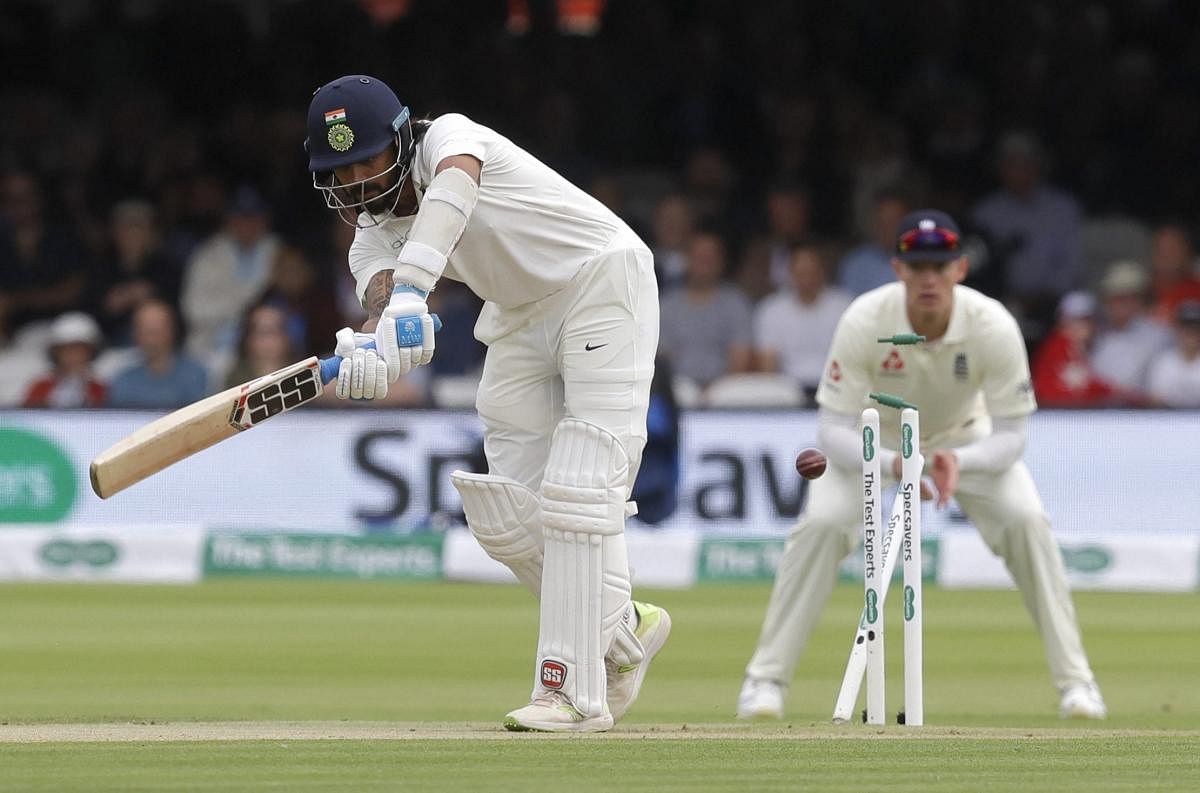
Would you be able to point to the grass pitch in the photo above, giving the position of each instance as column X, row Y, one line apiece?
column 252, row 685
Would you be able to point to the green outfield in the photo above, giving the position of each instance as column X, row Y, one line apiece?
column 250, row 685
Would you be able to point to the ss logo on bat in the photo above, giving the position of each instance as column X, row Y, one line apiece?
column 274, row 398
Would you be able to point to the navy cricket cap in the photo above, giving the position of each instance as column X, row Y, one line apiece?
column 928, row 235
column 352, row 119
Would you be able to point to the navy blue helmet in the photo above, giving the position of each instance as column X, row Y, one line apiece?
column 351, row 120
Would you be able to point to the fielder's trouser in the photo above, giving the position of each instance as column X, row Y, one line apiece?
column 1006, row 509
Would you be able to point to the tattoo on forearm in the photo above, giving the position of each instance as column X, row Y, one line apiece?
column 378, row 293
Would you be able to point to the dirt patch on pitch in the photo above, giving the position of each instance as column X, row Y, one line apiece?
column 139, row 732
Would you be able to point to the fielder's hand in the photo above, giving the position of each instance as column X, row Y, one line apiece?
column 944, row 471
column 362, row 373
column 404, row 335
column 927, row 492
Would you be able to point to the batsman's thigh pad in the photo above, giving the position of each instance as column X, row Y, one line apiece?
column 506, row 519
column 585, row 578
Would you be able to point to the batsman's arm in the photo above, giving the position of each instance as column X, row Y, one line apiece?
column 376, row 297
column 193, row 428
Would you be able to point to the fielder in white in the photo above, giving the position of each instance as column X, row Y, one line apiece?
column 571, row 325
column 971, row 381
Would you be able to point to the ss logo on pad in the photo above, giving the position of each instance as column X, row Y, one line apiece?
column 554, row 674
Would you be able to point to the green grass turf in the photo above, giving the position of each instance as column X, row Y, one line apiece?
column 634, row 766
column 271, row 651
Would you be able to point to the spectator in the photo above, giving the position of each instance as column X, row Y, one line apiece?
column 134, row 271
column 1062, row 372
column 74, row 342
column 42, row 266
column 349, row 308
column 1034, row 231
column 227, row 274
column 794, row 327
column 710, row 181
column 310, row 309
column 870, row 264
column 1173, row 275
column 194, row 208
column 706, row 324
column 753, row 276
column 165, row 377
column 673, row 226
column 1128, row 339
column 788, row 211
column 1175, row 373
column 264, row 345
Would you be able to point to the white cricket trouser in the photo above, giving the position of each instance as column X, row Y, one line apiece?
column 1008, row 512
column 586, row 352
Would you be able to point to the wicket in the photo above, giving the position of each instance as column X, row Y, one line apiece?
column 879, row 561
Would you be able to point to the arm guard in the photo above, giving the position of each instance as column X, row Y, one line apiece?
column 440, row 221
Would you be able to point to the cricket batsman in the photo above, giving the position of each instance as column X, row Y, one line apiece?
column 971, row 381
column 570, row 321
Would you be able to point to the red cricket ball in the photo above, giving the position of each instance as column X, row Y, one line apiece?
column 811, row 463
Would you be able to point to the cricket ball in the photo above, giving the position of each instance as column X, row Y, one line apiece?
column 811, row 463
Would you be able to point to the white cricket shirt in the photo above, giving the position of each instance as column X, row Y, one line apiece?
column 978, row 369
column 529, row 234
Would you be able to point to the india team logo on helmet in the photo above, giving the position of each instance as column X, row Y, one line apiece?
column 341, row 137
column 352, row 120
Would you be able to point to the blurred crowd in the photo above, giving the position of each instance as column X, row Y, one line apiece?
column 160, row 239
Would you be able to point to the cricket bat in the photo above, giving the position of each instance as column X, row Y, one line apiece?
column 167, row 440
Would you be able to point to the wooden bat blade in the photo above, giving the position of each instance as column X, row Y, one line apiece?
column 193, row 428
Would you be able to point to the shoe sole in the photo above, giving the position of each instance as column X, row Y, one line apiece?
column 657, row 641
column 596, row 724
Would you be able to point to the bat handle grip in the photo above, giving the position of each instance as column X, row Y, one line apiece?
column 330, row 365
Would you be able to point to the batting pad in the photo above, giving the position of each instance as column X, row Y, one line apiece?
column 506, row 519
column 585, row 578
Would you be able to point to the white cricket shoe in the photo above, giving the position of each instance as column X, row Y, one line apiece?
column 1082, row 701
column 760, row 699
column 551, row 711
column 625, row 682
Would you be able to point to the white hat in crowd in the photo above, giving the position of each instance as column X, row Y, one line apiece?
column 1077, row 305
column 1125, row 277
column 74, row 326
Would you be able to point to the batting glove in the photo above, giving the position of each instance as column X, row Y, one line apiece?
column 404, row 335
column 362, row 373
